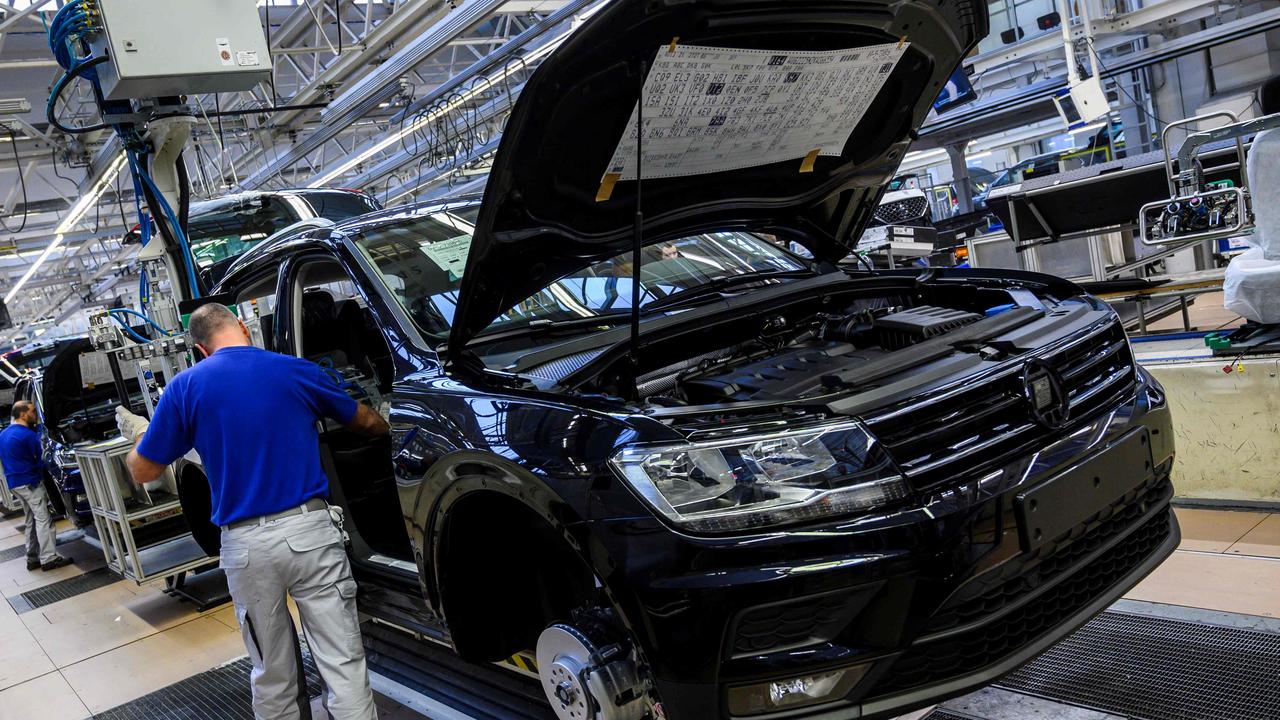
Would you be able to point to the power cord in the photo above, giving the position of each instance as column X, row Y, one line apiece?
column 1120, row 85
column 51, row 109
column 22, row 178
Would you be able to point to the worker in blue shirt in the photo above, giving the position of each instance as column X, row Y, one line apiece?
column 251, row 415
column 23, row 461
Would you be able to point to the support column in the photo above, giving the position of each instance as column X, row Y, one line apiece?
column 960, row 177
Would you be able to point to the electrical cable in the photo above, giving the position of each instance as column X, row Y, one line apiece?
column 184, row 192
column 51, row 109
column 22, row 178
column 1120, row 85
column 124, row 221
column 53, row 159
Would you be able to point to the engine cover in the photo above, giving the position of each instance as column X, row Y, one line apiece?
column 791, row 373
column 908, row 327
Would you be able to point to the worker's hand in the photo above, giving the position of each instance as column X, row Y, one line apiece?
column 131, row 426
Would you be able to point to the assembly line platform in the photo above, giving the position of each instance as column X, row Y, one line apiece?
column 1200, row 638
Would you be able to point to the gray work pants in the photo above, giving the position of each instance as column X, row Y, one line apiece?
column 41, row 537
column 301, row 556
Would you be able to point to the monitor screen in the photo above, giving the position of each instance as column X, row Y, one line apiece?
column 957, row 91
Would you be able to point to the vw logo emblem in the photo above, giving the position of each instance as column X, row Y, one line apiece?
column 1045, row 396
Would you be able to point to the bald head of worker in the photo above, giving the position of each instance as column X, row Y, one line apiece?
column 24, row 412
column 214, row 327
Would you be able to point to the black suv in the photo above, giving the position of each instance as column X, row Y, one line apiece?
column 790, row 489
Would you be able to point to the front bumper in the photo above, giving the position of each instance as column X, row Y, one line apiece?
column 928, row 602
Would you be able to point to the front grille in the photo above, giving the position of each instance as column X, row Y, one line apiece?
column 793, row 624
column 902, row 211
column 967, row 653
column 992, row 593
column 964, row 430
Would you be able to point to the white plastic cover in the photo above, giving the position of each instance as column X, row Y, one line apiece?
column 1251, row 287
column 1264, row 186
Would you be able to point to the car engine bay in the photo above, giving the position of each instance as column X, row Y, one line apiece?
column 775, row 366
column 831, row 341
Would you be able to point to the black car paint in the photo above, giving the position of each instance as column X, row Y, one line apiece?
column 463, row 434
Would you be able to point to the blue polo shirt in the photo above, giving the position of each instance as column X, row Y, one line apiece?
column 21, row 455
column 251, row 414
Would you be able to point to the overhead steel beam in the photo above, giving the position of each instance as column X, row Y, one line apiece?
column 1158, row 13
column 23, row 13
column 353, row 103
column 1032, row 102
column 331, row 125
column 404, row 21
column 498, row 56
column 382, row 35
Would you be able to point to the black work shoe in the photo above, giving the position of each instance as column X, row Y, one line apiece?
column 60, row 562
column 33, row 565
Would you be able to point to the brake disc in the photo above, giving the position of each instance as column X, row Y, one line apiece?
column 582, row 684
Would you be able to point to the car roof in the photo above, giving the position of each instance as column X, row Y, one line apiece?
column 269, row 251
column 230, row 201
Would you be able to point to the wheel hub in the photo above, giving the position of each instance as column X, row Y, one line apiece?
column 579, row 685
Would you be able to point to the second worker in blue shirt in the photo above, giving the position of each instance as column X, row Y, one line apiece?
column 251, row 415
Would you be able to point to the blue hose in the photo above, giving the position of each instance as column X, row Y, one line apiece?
column 70, row 20
column 127, row 329
column 177, row 229
column 149, row 321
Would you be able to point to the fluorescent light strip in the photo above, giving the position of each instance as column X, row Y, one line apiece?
column 1087, row 128
column 69, row 222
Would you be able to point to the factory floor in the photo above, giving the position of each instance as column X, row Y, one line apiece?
column 97, row 651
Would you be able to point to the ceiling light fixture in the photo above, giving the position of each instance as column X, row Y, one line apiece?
column 1089, row 128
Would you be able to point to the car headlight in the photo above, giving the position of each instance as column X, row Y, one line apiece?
column 758, row 481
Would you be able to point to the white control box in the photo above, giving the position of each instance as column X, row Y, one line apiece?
column 180, row 47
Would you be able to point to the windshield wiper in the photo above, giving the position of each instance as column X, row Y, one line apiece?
column 544, row 325
column 717, row 284
column 541, row 326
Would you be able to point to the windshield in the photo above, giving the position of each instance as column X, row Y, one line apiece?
column 423, row 259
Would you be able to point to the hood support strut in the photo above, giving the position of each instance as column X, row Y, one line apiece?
column 638, row 239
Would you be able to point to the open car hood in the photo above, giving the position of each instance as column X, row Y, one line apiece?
column 64, row 395
column 561, row 197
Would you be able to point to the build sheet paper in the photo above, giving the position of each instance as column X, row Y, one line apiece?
column 711, row 109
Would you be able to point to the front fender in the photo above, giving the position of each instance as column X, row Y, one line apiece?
column 463, row 474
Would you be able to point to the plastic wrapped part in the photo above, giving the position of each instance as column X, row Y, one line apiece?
column 1264, row 186
column 1252, row 285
